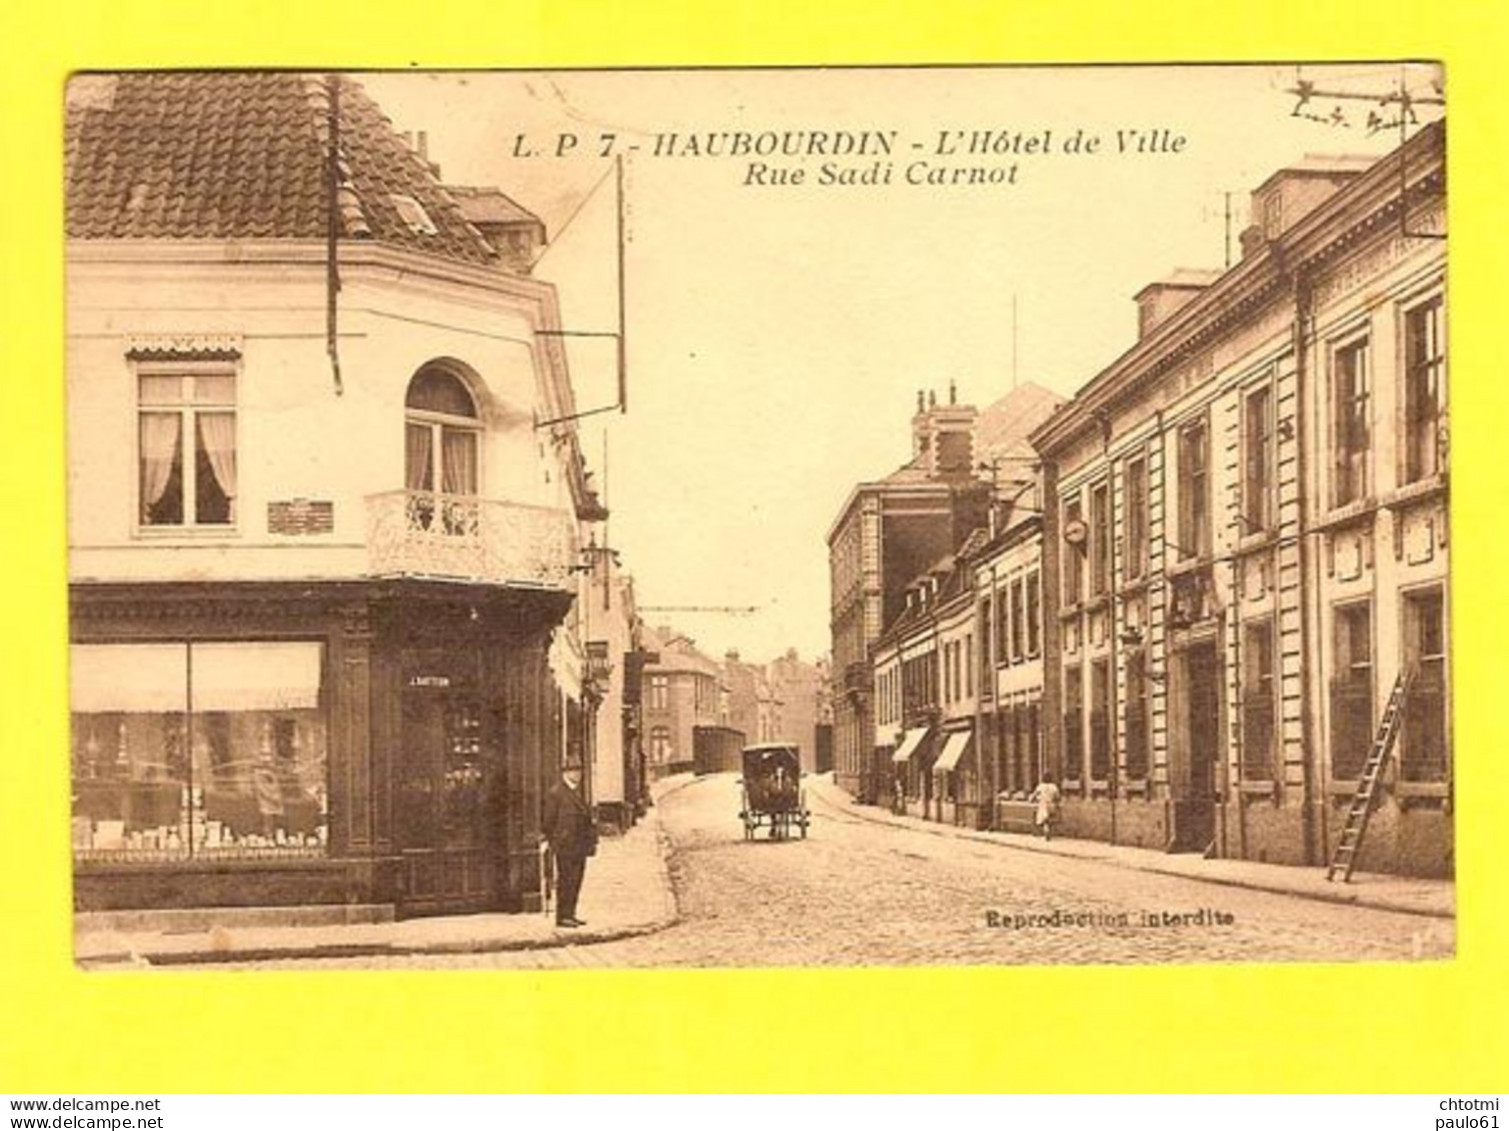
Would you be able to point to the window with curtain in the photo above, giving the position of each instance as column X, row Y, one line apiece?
column 1136, row 735
column 1424, row 391
column 442, row 440
column 1426, row 737
column 1074, row 734
column 1351, row 413
column 1100, row 720
column 1135, row 478
column 1351, row 690
column 1194, row 490
column 1034, row 615
column 1100, row 540
column 1258, row 461
column 660, row 745
column 1258, row 695
column 186, row 449
column 1073, row 556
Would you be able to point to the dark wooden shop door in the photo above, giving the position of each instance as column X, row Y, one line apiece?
column 448, row 780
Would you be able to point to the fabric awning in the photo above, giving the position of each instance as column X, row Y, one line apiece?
column 156, row 678
column 953, row 750
column 909, row 744
column 137, row 678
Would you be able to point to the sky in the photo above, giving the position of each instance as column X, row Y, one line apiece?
column 777, row 332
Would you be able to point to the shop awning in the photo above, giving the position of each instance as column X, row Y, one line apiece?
column 265, row 675
column 139, row 678
column 158, row 678
column 953, row 750
column 909, row 744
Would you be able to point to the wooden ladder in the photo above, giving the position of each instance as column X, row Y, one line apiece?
column 1344, row 859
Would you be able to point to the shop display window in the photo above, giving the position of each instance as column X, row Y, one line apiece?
column 202, row 750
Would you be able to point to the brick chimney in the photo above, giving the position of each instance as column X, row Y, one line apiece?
column 943, row 436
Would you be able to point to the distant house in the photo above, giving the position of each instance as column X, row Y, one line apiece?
column 321, row 556
column 683, row 692
column 797, row 695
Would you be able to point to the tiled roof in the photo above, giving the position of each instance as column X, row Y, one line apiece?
column 243, row 155
column 487, row 205
column 1004, row 425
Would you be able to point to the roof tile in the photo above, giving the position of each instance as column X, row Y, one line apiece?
column 233, row 154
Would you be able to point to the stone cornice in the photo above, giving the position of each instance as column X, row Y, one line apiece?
column 303, row 253
column 1352, row 215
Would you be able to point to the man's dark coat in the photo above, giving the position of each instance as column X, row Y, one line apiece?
column 567, row 823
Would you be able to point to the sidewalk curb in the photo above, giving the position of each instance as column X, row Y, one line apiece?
column 1350, row 898
column 670, row 915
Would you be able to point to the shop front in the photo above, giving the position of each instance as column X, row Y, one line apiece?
column 953, row 782
column 369, row 744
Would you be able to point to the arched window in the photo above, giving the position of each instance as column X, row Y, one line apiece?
column 441, row 435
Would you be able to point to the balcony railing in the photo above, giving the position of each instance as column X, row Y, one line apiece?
column 464, row 538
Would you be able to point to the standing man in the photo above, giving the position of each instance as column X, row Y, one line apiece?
column 568, row 826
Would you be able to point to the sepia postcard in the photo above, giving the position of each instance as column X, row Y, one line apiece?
column 759, row 517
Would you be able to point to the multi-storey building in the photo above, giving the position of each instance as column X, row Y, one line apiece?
column 1246, row 538
column 751, row 704
column 610, row 625
column 320, row 553
column 1008, row 597
column 892, row 530
column 887, row 532
column 682, row 692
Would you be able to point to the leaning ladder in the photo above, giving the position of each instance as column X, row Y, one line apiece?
column 1344, row 859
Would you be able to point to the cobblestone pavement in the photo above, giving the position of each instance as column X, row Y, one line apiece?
column 860, row 893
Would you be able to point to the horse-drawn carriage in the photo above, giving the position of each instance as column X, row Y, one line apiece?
column 772, row 795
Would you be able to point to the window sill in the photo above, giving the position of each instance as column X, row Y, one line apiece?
column 1437, row 789
column 1099, row 788
column 1257, row 540
column 1187, row 566
column 1136, row 787
column 1357, row 511
column 186, row 533
column 1259, row 788
column 1421, row 491
column 1073, row 785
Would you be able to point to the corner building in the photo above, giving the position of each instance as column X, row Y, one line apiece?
column 324, row 647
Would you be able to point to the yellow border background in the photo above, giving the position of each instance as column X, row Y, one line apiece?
column 1436, row 1027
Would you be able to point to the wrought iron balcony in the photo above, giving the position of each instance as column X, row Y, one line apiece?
column 465, row 538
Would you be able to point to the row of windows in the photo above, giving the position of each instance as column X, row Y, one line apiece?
column 1012, row 621
column 1353, row 704
column 187, row 450
column 1423, row 383
column 704, row 693
column 1011, row 632
column 1089, row 548
column 958, row 669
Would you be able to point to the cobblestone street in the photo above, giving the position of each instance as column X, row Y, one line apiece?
column 861, row 893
